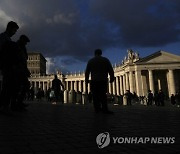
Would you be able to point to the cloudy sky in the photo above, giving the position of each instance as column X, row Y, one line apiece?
column 66, row 32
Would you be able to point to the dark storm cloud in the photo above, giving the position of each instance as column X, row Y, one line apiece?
column 72, row 29
column 142, row 22
column 59, row 27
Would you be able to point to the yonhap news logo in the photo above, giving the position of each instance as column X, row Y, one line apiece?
column 103, row 140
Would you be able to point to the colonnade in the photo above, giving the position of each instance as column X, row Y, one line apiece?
column 133, row 80
column 44, row 85
column 157, row 71
column 76, row 85
column 133, row 75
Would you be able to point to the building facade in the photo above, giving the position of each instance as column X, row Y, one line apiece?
column 36, row 64
column 158, row 71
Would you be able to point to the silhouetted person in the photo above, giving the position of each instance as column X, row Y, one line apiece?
column 156, row 98
column 39, row 94
column 135, row 97
column 99, row 67
column 177, row 96
column 48, row 94
column 31, row 92
column 173, row 99
column 129, row 97
column 161, row 97
column 90, row 97
column 56, row 86
column 20, row 69
column 150, row 98
column 6, row 64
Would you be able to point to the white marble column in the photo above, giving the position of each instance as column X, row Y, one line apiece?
column 80, row 86
column 131, row 82
column 110, row 88
column 117, row 86
column 138, row 83
column 159, row 84
column 72, row 87
column 84, row 86
column 124, row 83
column 172, row 82
column 66, row 85
column 127, row 81
column 151, row 81
column 35, row 87
column 89, row 89
column 47, row 85
column 75, row 86
column 121, row 85
column 114, row 87
column 51, row 83
column 43, row 86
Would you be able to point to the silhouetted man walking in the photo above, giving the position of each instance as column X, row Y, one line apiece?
column 6, row 70
column 21, row 84
column 99, row 67
column 150, row 98
column 56, row 84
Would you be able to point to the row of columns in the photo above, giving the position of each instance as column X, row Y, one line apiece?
column 131, row 80
column 44, row 85
column 170, row 78
column 77, row 85
column 122, row 83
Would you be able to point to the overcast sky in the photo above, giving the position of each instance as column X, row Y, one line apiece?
column 67, row 32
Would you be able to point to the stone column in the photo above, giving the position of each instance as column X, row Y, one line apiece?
column 66, row 96
column 138, row 82
column 67, row 85
column 114, row 87
column 172, row 82
column 117, row 86
column 131, row 82
column 124, row 83
column 127, row 81
column 151, row 81
column 80, row 87
column 75, row 86
column 110, row 88
column 51, row 83
column 43, row 85
column 159, row 84
column 121, row 85
column 84, row 86
column 47, row 85
column 89, row 89
column 35, row 87
column 72, row 86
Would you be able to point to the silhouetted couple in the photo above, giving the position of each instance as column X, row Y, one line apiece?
column 13, row 66
column 159, row 98
column 99, row 67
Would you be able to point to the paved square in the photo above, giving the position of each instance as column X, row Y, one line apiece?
column 69, row 128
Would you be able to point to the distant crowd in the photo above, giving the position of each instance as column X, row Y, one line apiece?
column 158, row 98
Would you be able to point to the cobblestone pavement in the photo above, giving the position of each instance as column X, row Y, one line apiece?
column 69, row 128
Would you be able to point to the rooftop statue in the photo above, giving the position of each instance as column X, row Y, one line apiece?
column 130, row 54
column 136, row 55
